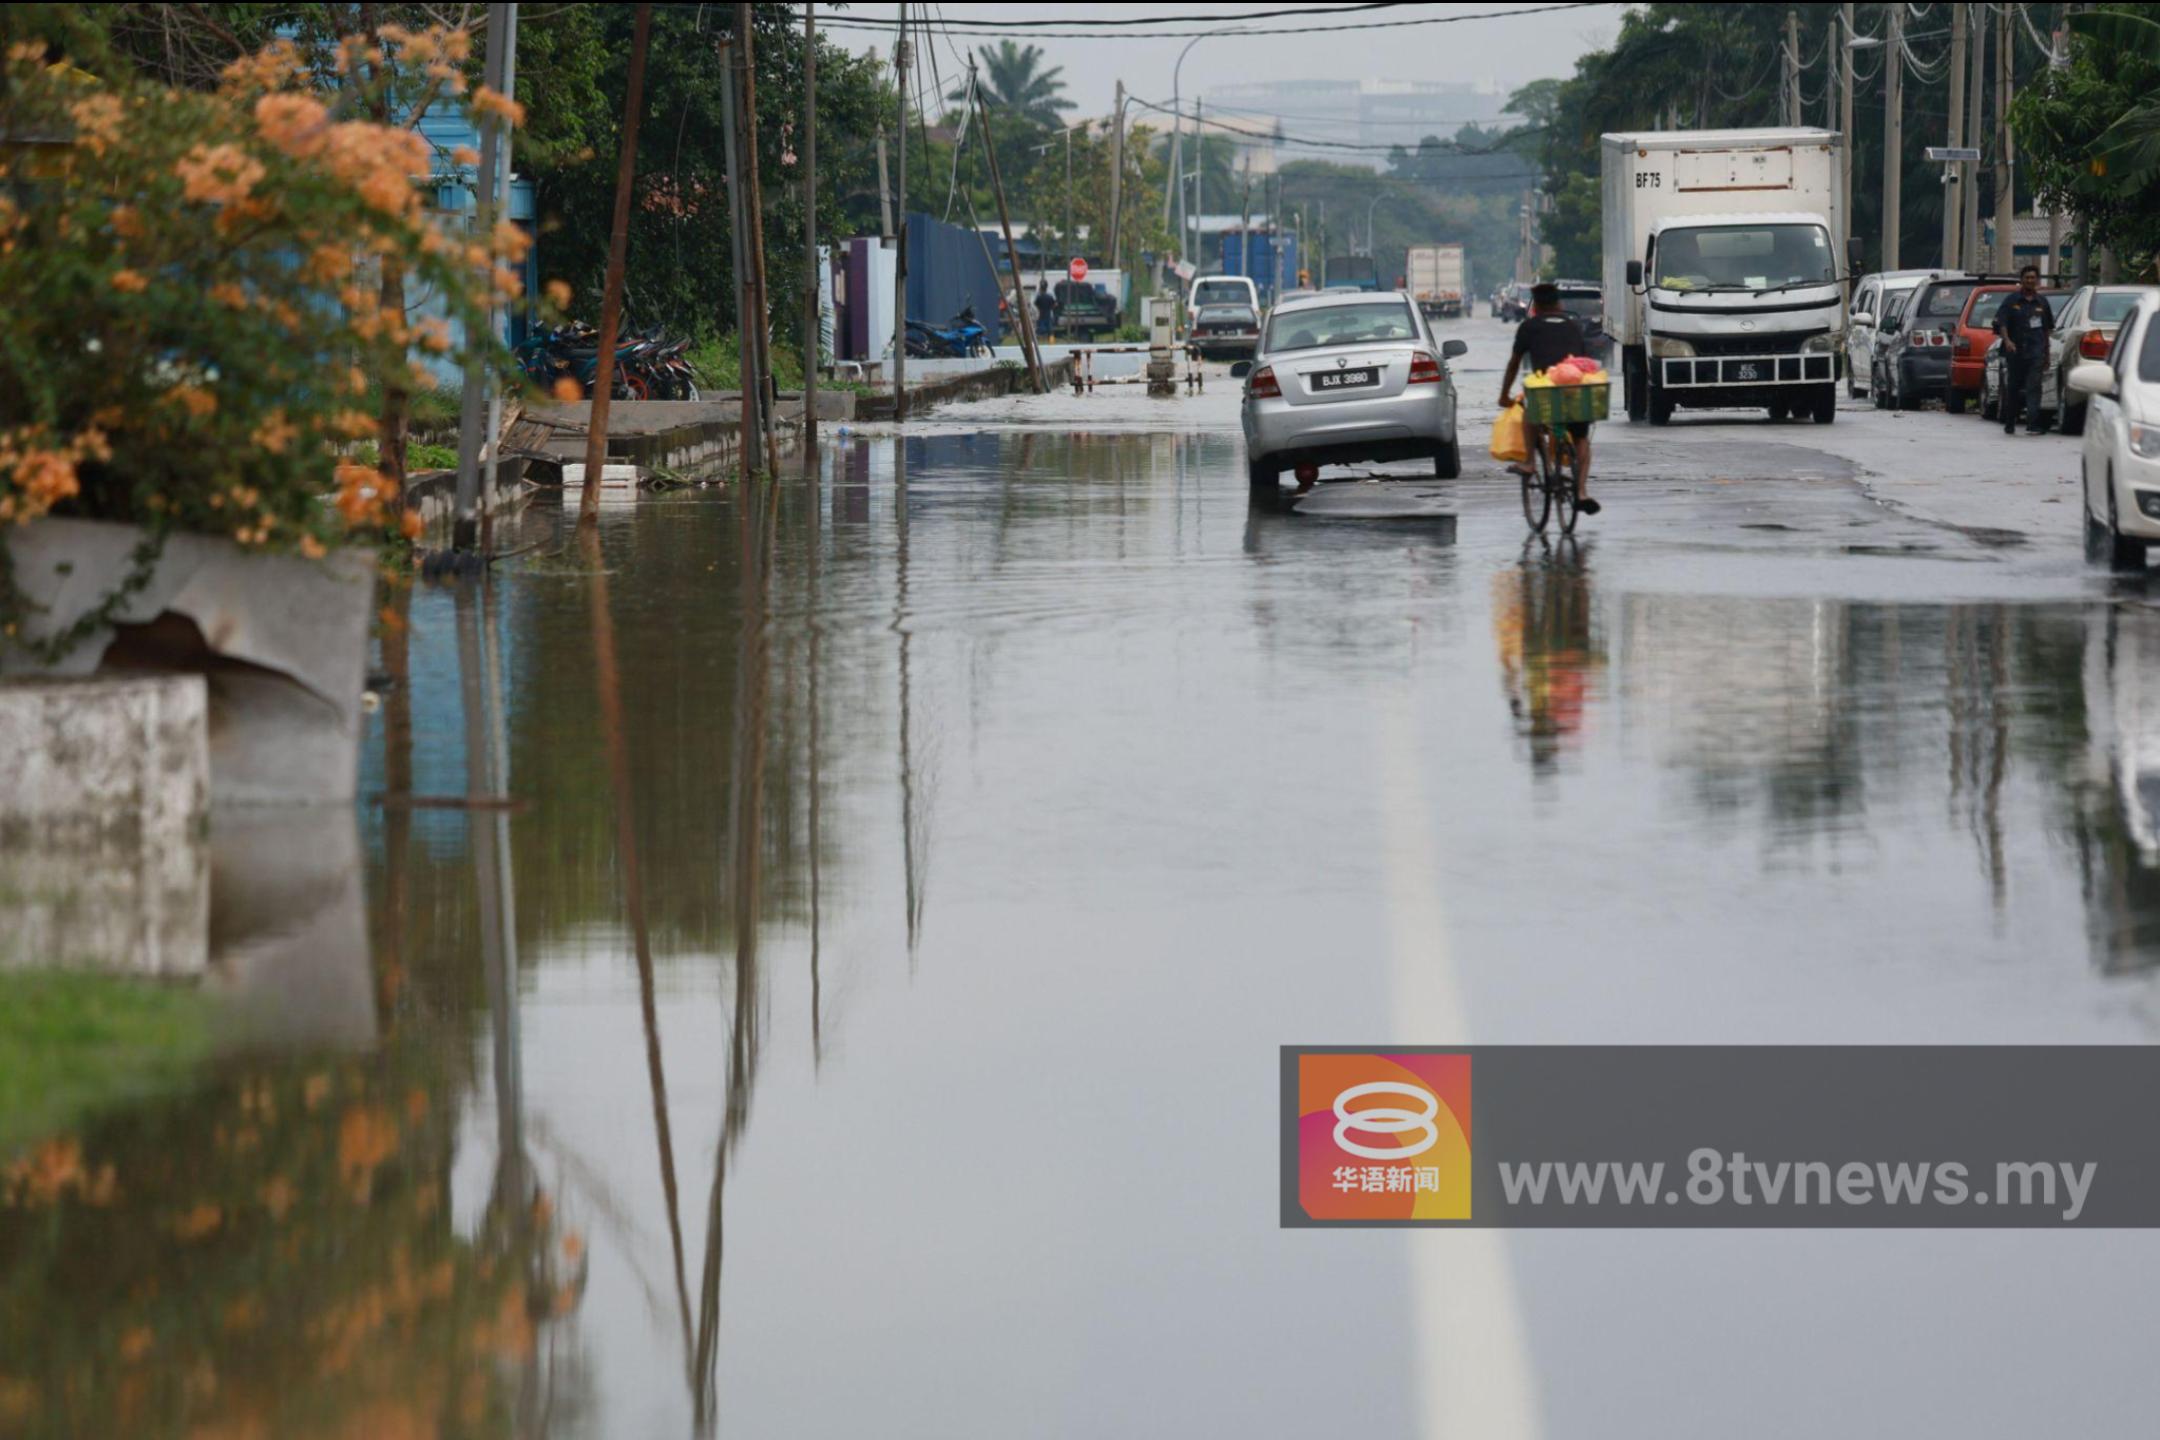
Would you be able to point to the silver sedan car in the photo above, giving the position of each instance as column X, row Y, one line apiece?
column 1345, row 379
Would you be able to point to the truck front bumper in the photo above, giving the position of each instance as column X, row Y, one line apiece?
column 1726, row 372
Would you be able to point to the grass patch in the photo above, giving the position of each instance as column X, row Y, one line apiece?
column 72, row 1044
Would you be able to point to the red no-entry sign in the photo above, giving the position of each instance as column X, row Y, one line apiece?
column 1076, row 268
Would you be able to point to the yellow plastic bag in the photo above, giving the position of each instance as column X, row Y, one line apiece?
column 1507, row 435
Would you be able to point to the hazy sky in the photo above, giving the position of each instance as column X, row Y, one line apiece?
column 1506, row 51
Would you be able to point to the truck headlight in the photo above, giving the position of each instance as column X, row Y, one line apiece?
column 1819, row 345
column 1668, row 347
column 2145, row 441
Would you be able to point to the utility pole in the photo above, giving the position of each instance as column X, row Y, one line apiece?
column 754, row 214
column 1975, row 113
column 1069, row 251
column 1954, row 179
column 2005, row 186
column 1893, row 133
column 481, row 399
column 884, row 190
column 813, row 341
column 2052, row 271
column 750, row 441
column 611, row 291
column 1199, row 181
column 1845, row 130
column 1792, row 67
column 1117, row 173
column 1028, row 351
column 899, row 341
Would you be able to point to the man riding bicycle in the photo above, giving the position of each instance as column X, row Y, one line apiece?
column 1545, row 339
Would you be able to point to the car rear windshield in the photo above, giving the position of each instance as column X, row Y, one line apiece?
column 1984, row 308
column 1227, row 315
column 1220, row 292
column 1585, row 303
column 2110, row 309
column 1310, row 329
column 1942, row 302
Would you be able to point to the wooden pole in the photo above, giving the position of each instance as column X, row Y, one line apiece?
column 1012, row 253
column 611, row 296
column 1845, row 122
column 813, row 326
column 1893, row 183
column 754, row 214
column 2005, row 189
column 750, row 442
column 1975, row 127
column 479, row 380
column 900, row 257
column 1117, row 173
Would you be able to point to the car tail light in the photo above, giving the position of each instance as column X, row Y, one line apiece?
column 1263, row 384
column 1424, row 370
column 2096, row 344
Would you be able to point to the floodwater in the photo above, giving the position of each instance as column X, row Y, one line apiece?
column 861, row 1015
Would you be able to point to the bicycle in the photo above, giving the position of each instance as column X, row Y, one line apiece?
column 1552, row 482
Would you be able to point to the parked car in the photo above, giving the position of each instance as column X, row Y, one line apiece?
column 1969, row 344
column 1994, row 372
column 2085, row 332
column 1226, row 331
column 1871, row 310
column 1344, row 378
column 1584, row 302
column 1912, row 359
column 1084, row 309
column 1514, row 302
column 2120, row 457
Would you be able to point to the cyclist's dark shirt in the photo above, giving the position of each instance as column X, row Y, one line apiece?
column 1548, row 339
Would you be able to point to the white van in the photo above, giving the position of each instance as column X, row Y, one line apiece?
column 1223, row 290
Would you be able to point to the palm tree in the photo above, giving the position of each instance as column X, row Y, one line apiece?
column 2131, row 146
column 1014, row 83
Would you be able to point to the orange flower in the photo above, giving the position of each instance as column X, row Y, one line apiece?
column 465, row 155
column 486, row 103
column 293, row 123
column 312, row 548
column 199, row 403
column 125, row 222
column 271, row 69
column 409, row 526
column 568, row 390
column 135, row 1344
column 129, row 282
column 229, row 295
column 203, row 1220
column 275, row 433
column 511, row 241
column 558, row 294
column 353, row 424
column 434, row 335
column 218, row 174
column 97, row 122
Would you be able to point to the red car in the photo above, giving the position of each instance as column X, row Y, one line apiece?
column 1969, row 341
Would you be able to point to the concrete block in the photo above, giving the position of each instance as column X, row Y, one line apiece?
column 103, row 804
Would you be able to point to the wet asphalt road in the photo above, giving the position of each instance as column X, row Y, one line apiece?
column 999, row 806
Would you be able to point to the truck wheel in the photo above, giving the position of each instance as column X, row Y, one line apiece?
column 1779, row 412
column 1447, row 461
column 1633, row 383
column 1826, row 404
column 1661, row 405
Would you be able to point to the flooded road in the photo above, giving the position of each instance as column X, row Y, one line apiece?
column 861, row 1016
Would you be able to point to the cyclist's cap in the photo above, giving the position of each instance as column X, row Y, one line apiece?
column 1544, row 293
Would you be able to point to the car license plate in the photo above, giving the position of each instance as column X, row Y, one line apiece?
column 1747, row 372
column 1345, row 379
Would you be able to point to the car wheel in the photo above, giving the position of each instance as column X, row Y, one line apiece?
column 1852, row 383
column 2125, row 555
column 1447, row 461
column 1262, row 477
column 1988, row 405
column 1954, row 401
column 1899, row 399
column 2073, row 420
column 2096, row 534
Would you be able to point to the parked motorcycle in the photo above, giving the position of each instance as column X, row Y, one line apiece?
column 648, row 365
column 963, row 337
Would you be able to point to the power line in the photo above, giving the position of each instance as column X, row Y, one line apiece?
column 1505, row 142
column 1214, row 24
column 1135, row 20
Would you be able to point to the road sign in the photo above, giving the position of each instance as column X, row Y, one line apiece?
column 1954, row 153
column 1077, row 268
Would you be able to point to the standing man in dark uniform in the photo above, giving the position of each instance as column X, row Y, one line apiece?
column 1544, row 340
column 2025, row 322
column 1046, row 311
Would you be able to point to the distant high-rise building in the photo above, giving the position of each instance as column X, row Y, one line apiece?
column 1325, row 114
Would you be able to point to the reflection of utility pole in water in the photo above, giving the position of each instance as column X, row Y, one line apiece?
column 397, row 780
column 608, row 682
column 509, row 1219
column 746, row 825
column 817, row 837
column 910, row 819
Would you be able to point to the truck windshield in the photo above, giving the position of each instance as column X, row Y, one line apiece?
column 1744, row 257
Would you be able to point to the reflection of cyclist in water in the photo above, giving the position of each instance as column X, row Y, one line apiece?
column 1549, row 649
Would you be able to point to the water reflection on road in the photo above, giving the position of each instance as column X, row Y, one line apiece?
column 864, row 1021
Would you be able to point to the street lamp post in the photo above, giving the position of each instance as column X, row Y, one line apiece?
column 1177, row 143
column 1372, row 251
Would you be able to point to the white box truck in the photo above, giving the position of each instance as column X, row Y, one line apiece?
column 1724, row 270
column 1438, row 278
